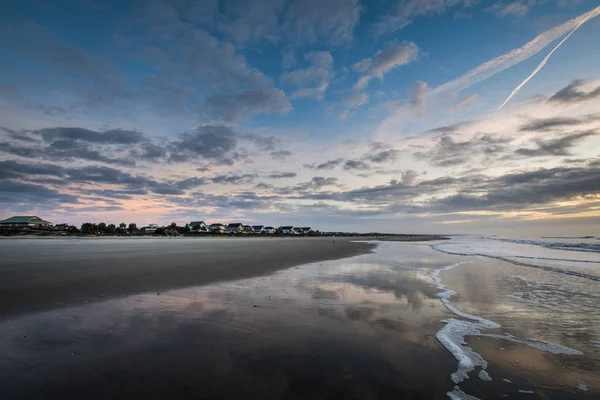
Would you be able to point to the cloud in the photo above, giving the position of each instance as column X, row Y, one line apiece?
column 317, row 182
column 513, row 57
column 404, row 11
column 548, row 124
column 409, row 177
column 465, row 101
column 15, row 169
column 363, row 65
column 418, row 97
column 321, row 59
column 280, row 154
column 590, row 15
column 449, row 152
column 211, row 142
column 555, row 147
column 315, row 21
column 392, row 56
column 516, row 8
column 288, row 59
column 312, row 81
column 110, row 136
column 32, row 195
column 234, row 107
column 327, row 165
column 356, row 99
column 355, row 165
column 234, row 179
column 281, row 175
column 573, row 94
column 383, row 156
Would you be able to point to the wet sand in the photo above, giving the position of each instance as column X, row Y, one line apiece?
column 38, row 274
column 364, row 327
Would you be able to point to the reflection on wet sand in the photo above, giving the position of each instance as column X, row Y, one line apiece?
column 360, row 328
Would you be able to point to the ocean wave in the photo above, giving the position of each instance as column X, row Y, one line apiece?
column 523, row 264
column 579, row 246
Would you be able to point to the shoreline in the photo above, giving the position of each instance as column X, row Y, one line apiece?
column 42, row 275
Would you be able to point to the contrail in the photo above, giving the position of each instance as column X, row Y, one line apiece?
column 591, row 14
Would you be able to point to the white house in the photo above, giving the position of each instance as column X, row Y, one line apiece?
column 217, row 228
column 258, row 229
column 288, row 230
column 151, row 228
column 269, row 230
column 198, row 226
column 235, row 228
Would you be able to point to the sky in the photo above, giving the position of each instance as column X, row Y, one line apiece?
column 342, row 115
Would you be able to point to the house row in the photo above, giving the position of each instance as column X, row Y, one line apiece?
column 239, row 228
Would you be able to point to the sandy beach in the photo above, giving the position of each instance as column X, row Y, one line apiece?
column 37, row 274
column 273, row 319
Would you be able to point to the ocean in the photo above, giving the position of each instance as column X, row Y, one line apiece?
column 468, row 317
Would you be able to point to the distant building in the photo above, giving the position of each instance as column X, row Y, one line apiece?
column 258, row 229
column 235, row 228
column 247, row 229
column 27, row 221
column 304, row 230
column 151, row 228
column 217, row 228
column 288, row 230
column 269, row 230
column 198, row 226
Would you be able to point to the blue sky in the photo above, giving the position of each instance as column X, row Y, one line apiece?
column 350, row 114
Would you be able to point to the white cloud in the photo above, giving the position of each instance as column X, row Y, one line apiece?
column 418, row 98
column 392, row 56
column 404, row 11
column 516, row 8
column 513, row 57
column 321, row 59
column 356, row 99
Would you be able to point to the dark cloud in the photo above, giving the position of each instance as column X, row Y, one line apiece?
column 331, row 164
column 555, row 147
column 350, row 165
column 111, row 136
column 234, row 107
column 264, row 143
column 280, row 154
column 234, row 179
column 547, row 124
column 315, row 183
column 384, row 156
column 280, row 175
column 18, row 193
column 212, row 142
column 573, row 94
column 14, row 169
column 449, row 152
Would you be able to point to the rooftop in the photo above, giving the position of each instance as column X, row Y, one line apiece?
column 24, row 219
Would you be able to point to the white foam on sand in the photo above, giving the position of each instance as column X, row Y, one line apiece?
column 452, row 337
column 458, row 394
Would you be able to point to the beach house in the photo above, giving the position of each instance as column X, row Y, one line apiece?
column 258, row 229
column 269, row 230
column 217, row 228
column 151, row 228
column 288, row 230
column 198, row 226
column 24, row 221
column 235, row 228
column 305, row 230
